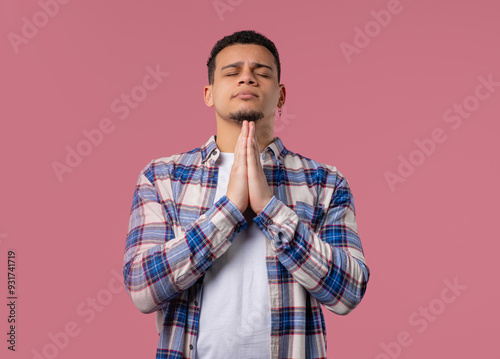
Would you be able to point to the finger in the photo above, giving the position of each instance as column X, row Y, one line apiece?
column 250, row 149
column 255, row 143
column 243, row 143
column 255, row 156
column 241, row 138
column 238, row 146
column 236, row 150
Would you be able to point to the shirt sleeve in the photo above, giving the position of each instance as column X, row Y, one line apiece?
column 159, row 265
column 328, row 261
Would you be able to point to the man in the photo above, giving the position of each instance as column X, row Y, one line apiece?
column 236, row 244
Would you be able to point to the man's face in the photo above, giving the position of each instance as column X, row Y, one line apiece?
column 245, row 84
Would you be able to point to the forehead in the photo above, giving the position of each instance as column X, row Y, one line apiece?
column 245, row 53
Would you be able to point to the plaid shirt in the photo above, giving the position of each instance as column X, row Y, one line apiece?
column 313, row 255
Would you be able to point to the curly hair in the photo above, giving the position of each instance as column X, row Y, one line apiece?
column 242, row 37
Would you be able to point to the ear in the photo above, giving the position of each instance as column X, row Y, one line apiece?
column 207, row 96
column 282, row 97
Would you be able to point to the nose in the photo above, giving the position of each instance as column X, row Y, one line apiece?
column 247, row 77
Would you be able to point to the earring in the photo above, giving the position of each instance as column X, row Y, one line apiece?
column 279, row 111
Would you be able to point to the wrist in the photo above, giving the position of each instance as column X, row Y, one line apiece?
column 265, row 202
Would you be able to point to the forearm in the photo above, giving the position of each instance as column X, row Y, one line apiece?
column 158, row 265
column 335, row 275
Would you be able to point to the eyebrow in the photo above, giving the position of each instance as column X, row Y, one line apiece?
column 240, row 63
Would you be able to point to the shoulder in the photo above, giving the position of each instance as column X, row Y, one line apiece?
column 314, row 170
column 166, row 167
column 328, row 186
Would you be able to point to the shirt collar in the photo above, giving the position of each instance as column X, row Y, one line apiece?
column 275, row 149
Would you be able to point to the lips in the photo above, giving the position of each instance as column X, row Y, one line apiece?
column 246, row 94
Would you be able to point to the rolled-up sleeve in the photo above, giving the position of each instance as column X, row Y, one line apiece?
column 329, row 261
column 158, row 264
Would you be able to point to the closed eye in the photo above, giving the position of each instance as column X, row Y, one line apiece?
column 234, row 73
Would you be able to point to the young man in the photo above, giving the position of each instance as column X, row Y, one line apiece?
column 236, row 244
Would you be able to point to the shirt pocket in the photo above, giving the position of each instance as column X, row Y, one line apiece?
column 311, row 215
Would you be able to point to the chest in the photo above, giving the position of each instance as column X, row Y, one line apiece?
column 191, row 191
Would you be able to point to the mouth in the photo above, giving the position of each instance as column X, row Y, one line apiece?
column 246, row 95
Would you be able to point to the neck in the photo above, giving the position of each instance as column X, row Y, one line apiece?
column 229, row 131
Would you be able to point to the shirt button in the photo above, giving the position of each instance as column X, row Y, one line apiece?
column 211, row 175
column 196, row 303
column 191, row 346
column 269, row 222
column 214, row 153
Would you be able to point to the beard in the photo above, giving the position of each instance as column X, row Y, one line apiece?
column 250, row 115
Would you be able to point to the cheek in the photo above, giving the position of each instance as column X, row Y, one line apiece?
column 217, row 99
column 221, row 99
column 220, row 94
column 272, row 101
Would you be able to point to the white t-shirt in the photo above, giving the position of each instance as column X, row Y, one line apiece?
column 235, row 318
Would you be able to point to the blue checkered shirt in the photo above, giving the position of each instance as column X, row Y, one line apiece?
column 314, row 255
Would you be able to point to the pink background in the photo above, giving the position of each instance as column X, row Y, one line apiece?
column 361, row 113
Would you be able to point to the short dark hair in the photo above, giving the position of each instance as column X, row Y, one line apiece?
column 242, row 37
